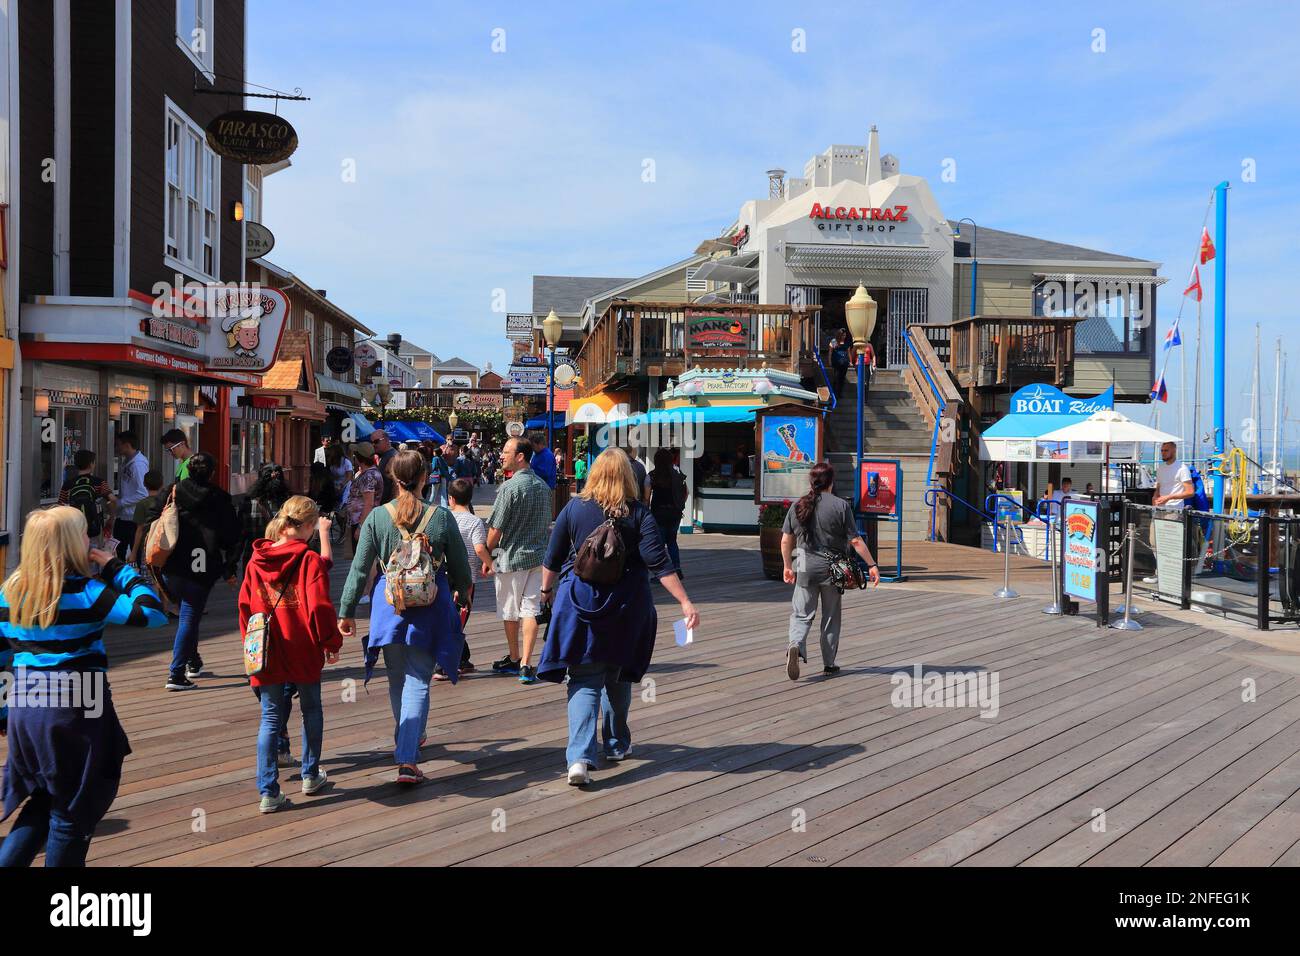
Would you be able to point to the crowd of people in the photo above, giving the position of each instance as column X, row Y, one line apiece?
column 418, row 553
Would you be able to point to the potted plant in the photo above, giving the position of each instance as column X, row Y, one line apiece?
column 770, row 519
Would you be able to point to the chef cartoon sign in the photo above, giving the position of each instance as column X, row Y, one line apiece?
column 245, row 329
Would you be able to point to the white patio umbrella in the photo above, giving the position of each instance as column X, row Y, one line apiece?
column 1109, row 426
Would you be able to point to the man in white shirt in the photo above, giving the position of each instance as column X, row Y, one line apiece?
column 325, row 442
column 1173, row 480
column 131, row 489
column 1173, row 489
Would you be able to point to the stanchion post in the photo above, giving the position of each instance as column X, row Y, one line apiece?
column 1006, row 591
column 1055, row 606
column 1126, row 623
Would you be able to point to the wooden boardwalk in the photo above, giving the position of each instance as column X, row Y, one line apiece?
column 735, row 765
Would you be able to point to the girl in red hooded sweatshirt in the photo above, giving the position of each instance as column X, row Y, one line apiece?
column 289, row 582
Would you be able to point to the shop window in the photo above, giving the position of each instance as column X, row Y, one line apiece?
column 71, row 433
column 1116, row 315
column 194, row 32
column 191, row 228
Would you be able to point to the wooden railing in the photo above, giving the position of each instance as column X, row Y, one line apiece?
column 651, row 338
column 940, row 402
column 985, row 349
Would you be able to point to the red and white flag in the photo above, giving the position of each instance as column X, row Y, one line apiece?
column 1194, row 286
column 1207, row 247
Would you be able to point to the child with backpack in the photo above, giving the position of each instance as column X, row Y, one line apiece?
column 87, row 493
column 285, row 598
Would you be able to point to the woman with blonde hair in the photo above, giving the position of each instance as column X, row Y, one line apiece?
column 66, row 745
column 289, row 583
column 412, row 639
column 602, row 636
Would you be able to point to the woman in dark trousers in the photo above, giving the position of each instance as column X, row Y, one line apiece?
column 602, row 636
column 207, row 550
column 666, row 496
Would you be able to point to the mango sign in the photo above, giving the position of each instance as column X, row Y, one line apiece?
column 252, row 137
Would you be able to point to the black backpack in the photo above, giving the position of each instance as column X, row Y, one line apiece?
column 602, row 557
column 82, row 497
column 669, row 502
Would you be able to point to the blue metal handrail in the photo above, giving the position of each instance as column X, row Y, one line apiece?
column 930, row 499
column 938, row 417
column 989, row 507
column 829, row 388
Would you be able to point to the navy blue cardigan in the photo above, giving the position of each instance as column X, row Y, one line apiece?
column 609, row 624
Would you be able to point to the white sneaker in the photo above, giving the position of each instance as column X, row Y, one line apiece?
column 1150, row 580
column 311, row 784
column 364, row 599
column 579, row 775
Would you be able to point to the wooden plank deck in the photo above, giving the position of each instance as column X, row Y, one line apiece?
column 735, row 765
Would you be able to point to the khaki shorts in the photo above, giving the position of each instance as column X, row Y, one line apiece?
column 519, row 593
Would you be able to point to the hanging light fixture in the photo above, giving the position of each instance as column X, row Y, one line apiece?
column 115, row 407
column 169, row 412
column 41, row 402
column 452, row 419
column 199, row 412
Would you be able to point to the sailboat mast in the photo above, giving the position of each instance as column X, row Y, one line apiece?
column 1277, row 422
column 1256, row 417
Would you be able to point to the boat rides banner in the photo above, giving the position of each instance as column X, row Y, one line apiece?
column 1038, row 409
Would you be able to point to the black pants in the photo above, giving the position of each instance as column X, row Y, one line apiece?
column 841, row 372
column 124, row 531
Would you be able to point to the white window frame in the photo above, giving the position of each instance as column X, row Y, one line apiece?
column 198, row 195
column 203, row 19
column 252, row 194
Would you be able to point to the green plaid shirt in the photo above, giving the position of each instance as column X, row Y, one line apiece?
column 522, row 513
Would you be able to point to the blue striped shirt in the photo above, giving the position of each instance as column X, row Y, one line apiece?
column 76, row 639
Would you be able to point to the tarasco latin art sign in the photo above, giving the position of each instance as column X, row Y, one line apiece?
column 252, row 137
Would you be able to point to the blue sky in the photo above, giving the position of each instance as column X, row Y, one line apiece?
column 477, row 169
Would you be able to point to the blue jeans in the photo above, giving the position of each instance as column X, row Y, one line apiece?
column 668, row 531
column 41, row 827
column 591, row 688
column 410, row 669
column 275, row 714
column 193, row 597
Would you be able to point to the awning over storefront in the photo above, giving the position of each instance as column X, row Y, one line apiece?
column 426, row 432
column 858, row 259
column 557, row 419
column 340, row 390
column 364, row 428
column 724, row 270
column 1038, row 410
column 417, row 431
column 399, row 432
column 598, row 409
column 710, row 415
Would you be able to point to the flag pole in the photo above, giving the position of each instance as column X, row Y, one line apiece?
column 1220, row 333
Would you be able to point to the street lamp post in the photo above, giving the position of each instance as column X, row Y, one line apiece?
column 552, row 328
column 860, row 315
column 974, row 254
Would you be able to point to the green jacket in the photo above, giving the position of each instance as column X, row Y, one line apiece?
column 379, row 538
